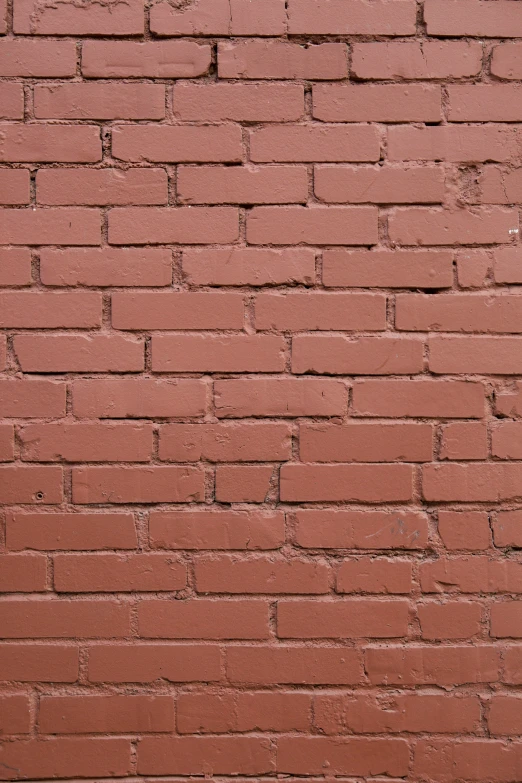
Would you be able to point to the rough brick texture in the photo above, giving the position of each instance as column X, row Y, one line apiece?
column 261, row 390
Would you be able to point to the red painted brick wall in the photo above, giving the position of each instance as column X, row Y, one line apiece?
column 261, row 390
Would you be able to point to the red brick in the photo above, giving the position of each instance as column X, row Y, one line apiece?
column 183, row 143
column 506, row 619
column 275, row 59
column 320, row 311
column 467, row 530
column 340, row 529
column 423, row 226
column 216, row 529
column 242, row 185
column 353, row 18
column 244, row 483
column 387, row 269
column 247, row 17
column 478, row 482
column 422, row 665
column 79, row 353
column 484, row 103
column 500, row 186
column 39, row 662
column 78, row 531
column 240, row 102
column 138, row 398
column 117, row 573
column 509, row 403
column 34, row 484
column 12, row 101
column 472, row 574
column 23, row 574
column 508, row 265
column 458, row 313
column 62, row 618
column 67, row 757
column 50, row 143
column 106, row 266
column 315, row 225
column 356, row 483
column 365, row 442
column 228, row 574
column 193, row 755
column 504, row 715
column 473, row 17
column 376, row 103
column 452, row 620
column 6, row 443
column 209, row 17
column 249, row 266
column 15, row 715
column 505, row 440
column 507, row 530
column 154, row 484
column 106, row 714
column 466, row 144
column 39, row 310
column 379, row 575
column 352, row 756
column 225, row 442
column 492, row 355
column 15, row 266
column 67, row 226
column 100, row 101
column 506, row 62
column 414, row 60
column 350, row 184
column 464, row 440
column 427, row 399
column 203, row 619
column 468, row 759
column 32, row 58
column 150, row 662
column 345, row 355
column 100, row 187
column 177, row 310
column 341, row 619
column 150, row 59
column 32, row 19
column 312, row 142
column 285, row 397
column 167, row 225
column 91, row 442
column 14, row 186
column 218, row 353
column 305, row 665
column 473, row 268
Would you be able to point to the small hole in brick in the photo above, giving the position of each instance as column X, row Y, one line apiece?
column 39, row 496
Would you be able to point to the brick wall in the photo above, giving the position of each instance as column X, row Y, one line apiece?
column 261, row 346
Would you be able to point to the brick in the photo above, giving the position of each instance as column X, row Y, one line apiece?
column 225, row 442
column 209, row 353
column 39, row 310
column 68, row 757
column 262, row 574
column 505, row 619
column 350, row 619
column 473, row 18
column 209, row 17
column 50, row 143
column 23, row 574
column 148, row 662
column 320, row 311
column 473, row 268
column 346, row 756
column 451, row 620
column 387, row 269
column 244, row 483
column 100, row 187
column 117, row 573
column 15, row 712
column 79, row 531
column 177, row 310
column 471, row 759
column 238, row 102
column 365, row 442
column 467, row 530
column 106, row 266
column 192, row 755
column 279, row 397
column 32, row 19
column 100, row 101
column 203, row 619
column 340, row 529
column 39, row 662
column 273, row 59
column 14, row 186
column 217, row 529
column 364, row 575
column 427, row 399
column 472, row 574
column 423, row 665
column 315, row 225
column 12, row 98
column 6, row 443
column 464, row 313
column 492, row 355
column 156, row 484
column 484, row 103
column 237, row 266
column 167, row 225
column 423, row 226
column 150, row 59
column 30, row 484
column 353, row 18
column 505, row 440
column 504, row 715
column 472, row 483
column 509, row 403
column 466, row 144
column 22, row 398
column 512, row 669
column 305, row 665
column 507, row 530
column 15, row 266
column 242, row 185
column 179, row 143
column 505, row 61
column 33, row 58
column 414, row 60
column 312, row 142
column 78, row 353
column 345, row 355
column 61, row 618
column 500, row 186
column 385, row 185
column 247, row 17
column 357, row 483
column 106, row 714
column 464, row 440
column 67, row 226
column 376, row 103
column 138, row 398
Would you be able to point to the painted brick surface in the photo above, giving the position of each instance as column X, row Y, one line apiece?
column 261, row 390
